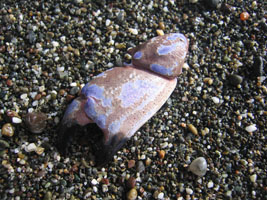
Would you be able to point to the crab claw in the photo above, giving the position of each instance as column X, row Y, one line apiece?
column 120, row 100
column 74, row 116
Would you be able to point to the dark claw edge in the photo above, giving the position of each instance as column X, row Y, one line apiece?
column 65, row 135
column 103, row 153
column 108, row 150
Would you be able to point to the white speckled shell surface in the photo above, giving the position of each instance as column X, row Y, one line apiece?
column 122, row 99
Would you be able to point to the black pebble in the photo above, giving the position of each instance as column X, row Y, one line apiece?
column 235, row 79
column 74, row 90
column 258, row 67
column 212, row 3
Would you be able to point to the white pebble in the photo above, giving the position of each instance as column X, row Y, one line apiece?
column 164, row 145
column 24, row 96
column 35, row 103
column 253, row 178
column 94, row 182
column 16, row 120
column 33, row 94
column 104, row 188
column 251, row 128
column 133, row 31
column 189, row 191
column 143, row 157
column 161, row 195
column 210, row 184
column 215, row 100
column 73, row 84
column 95, row 189
column 108, row 22
column 60, row 69
column 97, row 40
column 63, row 39
column 41, row 88
column 186, row 66
column 199, row 166
column 22, row 162
column 31, row 147
column 55, row 44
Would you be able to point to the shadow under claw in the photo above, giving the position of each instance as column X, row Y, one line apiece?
column 90, row 135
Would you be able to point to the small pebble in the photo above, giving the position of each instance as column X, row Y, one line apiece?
column 16, row 120
column 258, row 67
column 133, row 31
column 215, row 100
column 161, row 196
column 131, row 182
column 131, row 163
column 30, row 147
column 244, row 16
column 160, row 32
column 74, row 90
column 48, row 195
column 140, row 166
column 104, row 188
column 251, row 128
column 210, row 184
column 94, row 182
column 253, row 178
column 162, row 26
column 8, row 130
column 193, row 129
column 199, row 166
column 3, row 144
column 235, row 79
column 132, row 194
column 36, row 122
column 212, row 3
column 39, row 150
column 189, row 191
column 161, row 154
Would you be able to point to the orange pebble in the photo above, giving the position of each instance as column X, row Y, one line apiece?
column 161, row 154
column 244, row 16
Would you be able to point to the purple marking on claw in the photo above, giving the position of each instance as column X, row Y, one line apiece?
column 122, row 99
column 166, row 49
column 161, row 69
column 175, row 36
column 133, row 91
column 138, row 55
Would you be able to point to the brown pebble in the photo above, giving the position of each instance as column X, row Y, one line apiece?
column 45, row 73
column 162, row 26
column 161, row 154
column 36, row 121
column 105, row 181
column 9, row 82
column 131, row 182
column 41, row 173
column 11, row 114
column 132, row 194
column 8, row 130
column 2, row 49
column 193, row 129
column 62, row 92
column 37, row 97
column 131, row 163
column 148, row 161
